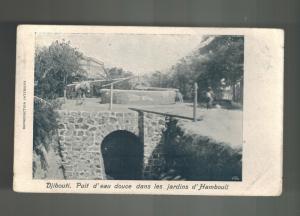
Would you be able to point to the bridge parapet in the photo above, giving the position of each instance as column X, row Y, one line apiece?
column 81, row 134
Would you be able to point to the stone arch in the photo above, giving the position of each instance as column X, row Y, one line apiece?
column 122, row 153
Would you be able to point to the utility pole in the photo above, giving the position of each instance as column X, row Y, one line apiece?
column 195, row 101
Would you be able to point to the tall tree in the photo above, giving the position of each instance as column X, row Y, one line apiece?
column 218, row 58
column 222, row 59
column 55, row 67
column 115, row 73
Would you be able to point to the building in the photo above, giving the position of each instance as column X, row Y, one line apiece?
column 94, row 68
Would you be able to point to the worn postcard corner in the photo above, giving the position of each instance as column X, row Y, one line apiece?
column 149, row 110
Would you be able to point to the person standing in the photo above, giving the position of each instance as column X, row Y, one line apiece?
column 209, row 98
column 178, row 97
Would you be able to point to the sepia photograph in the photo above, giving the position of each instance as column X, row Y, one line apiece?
column 148, row 110
column 138, row 107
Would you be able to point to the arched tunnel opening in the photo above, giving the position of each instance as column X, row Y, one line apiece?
column 122, row 154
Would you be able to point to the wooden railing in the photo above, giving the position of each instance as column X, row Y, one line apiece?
column 165, row 114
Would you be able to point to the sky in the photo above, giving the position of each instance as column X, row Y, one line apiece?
column 138, row 53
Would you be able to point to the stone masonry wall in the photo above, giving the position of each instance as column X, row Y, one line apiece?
column 193, row 156
column 81, row 134
column 153, row 134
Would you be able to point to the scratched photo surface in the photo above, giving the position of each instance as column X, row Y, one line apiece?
column 111, row 106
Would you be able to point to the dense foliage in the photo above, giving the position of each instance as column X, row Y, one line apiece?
column 115, row 73
column 198, row 157
column 217, row 63
column 55, row 67
column 44, row 127
column 44, row 123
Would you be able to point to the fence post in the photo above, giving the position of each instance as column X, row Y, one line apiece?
column 195, row 101
column 111, row 96
column 65, row 94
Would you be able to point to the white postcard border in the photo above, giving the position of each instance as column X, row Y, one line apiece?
column 262, row 114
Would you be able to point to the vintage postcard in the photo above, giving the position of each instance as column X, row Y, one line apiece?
column 149, row 110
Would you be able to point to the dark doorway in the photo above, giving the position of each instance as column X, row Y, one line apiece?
column 122, row 153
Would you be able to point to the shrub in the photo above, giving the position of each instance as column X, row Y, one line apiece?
column 44, row 127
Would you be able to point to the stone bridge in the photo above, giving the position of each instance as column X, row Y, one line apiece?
column 93, row 142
